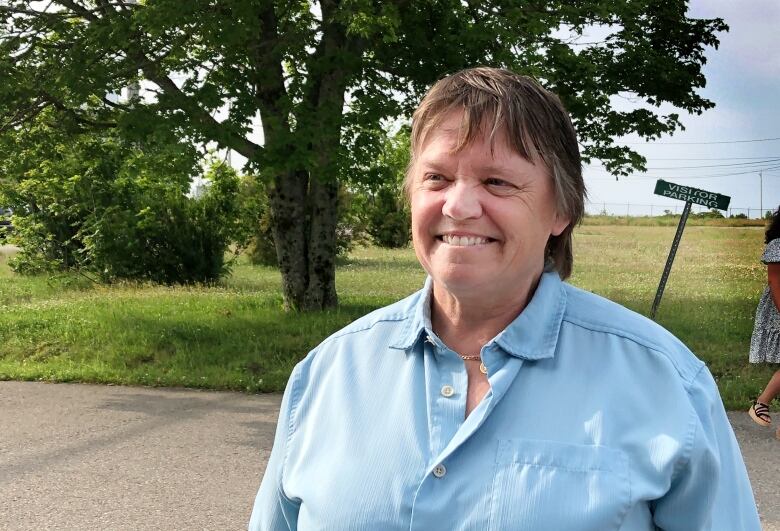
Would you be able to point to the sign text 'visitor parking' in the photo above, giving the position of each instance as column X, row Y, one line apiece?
column 694, row 195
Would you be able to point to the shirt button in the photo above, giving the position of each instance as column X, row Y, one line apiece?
column 447, row 391
column 439, row 471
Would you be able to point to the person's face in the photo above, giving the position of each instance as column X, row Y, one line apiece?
column 480, row 220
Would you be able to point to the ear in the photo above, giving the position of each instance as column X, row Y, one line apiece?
column 559, row 224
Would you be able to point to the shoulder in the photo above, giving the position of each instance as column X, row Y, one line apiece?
column 375, row 331
column 595, row 315
column 771, row 252
column 352, row 356
column 388, row 316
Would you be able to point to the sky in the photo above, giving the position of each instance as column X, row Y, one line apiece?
column 720, row 149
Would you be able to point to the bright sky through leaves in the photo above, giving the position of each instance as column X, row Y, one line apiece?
column 742, row 79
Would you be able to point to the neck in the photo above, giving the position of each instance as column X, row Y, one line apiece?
column 466, row 323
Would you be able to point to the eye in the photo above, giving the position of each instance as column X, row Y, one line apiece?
column 434, row 181
column 499, row 183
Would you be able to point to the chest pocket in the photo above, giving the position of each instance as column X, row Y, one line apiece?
column 559, row 486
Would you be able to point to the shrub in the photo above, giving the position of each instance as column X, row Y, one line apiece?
column 115, row 207
column 261, row 249
column 388, row 219
column 382, row 207
column 709, row 214
column 167, row 237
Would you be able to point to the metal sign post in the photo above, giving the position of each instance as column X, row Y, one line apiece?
column 690, row 196
column 670, row 258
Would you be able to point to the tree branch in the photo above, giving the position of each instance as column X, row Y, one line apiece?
column 75, row 115
column 199, row 115
column 268, row 76
column 22, row 114
column 33, row 13
column 82, row 11
column 115, row 105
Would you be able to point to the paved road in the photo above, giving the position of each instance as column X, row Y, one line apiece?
column 97, row 457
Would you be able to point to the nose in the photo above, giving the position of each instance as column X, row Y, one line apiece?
column 462, row 202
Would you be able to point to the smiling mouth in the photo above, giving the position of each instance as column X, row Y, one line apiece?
column 464, row 241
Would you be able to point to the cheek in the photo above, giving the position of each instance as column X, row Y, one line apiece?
column 415, row 215
column 423, row 213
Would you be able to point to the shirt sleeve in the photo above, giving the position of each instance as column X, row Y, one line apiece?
column 710, row 490
column 273, row 510
column 771, row 252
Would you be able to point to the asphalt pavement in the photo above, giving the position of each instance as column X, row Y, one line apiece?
column 89, row 457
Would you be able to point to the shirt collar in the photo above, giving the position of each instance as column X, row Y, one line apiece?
column 532, row 335
column 420, row 320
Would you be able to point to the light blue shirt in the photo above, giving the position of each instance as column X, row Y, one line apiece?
column 596, row 419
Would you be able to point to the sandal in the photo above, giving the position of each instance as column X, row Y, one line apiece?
column 759, row 412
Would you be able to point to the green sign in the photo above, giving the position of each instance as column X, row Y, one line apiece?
column 693, row 195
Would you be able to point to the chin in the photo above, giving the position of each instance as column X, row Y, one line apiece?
column 467, row 280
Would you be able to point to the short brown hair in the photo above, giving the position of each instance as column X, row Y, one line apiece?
column 537, row 127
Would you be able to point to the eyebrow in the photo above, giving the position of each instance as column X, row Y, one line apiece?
column 442, row 165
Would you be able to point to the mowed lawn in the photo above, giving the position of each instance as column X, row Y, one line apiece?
column 235, row 336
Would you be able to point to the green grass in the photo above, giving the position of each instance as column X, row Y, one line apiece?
column 235, row 336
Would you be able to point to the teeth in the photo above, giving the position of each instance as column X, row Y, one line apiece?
column 463, row 241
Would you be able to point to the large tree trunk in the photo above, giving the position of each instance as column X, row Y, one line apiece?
column 304, row 198
column 323, row 201
column 304, row 213
column 289, row 224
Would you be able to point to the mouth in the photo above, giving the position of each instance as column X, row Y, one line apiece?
column 464, row 241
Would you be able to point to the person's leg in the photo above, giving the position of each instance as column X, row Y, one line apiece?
column 771, row 390
column 759, row 411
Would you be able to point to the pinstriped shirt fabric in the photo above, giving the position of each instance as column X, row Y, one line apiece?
column 596, row 419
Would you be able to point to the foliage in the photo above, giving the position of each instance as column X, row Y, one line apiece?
column 261, row 249
column 381, row 206
column 713, row 213
column 322, row 76
column 97, row 203
column 164, row 236
column 350, row 228
column 5, row 223
column 388, row 220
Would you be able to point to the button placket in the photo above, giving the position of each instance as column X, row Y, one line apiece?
column 451, row 402
column 447, row 398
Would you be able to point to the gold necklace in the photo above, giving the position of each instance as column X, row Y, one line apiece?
column 482, row 367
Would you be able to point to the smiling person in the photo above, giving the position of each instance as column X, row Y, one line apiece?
column 499, row 397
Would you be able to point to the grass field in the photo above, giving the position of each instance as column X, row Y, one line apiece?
column 235, row 336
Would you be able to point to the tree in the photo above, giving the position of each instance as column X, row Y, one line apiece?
column 322, row 75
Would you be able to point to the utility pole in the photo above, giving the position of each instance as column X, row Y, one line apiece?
column 761, row 192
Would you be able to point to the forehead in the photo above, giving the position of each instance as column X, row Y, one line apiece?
column 448, row 141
